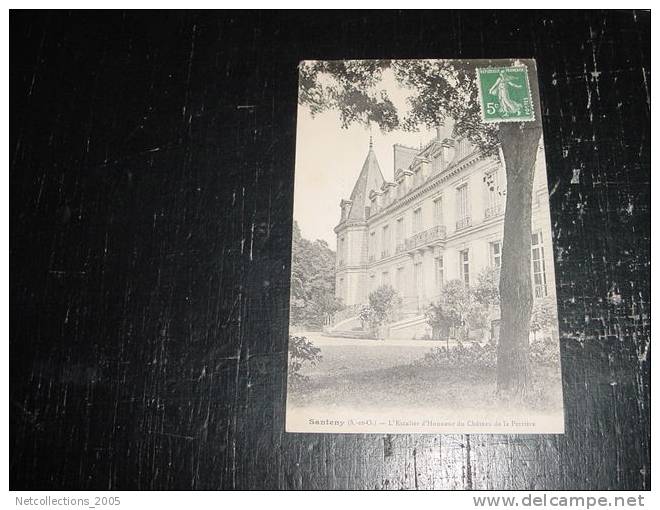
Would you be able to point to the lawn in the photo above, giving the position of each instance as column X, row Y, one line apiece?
column 372, row 375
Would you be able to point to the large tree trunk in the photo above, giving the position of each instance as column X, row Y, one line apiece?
column 519, row 147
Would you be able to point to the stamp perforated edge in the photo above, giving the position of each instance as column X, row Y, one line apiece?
column 480, row 94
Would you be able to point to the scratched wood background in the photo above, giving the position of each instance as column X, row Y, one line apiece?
column 151, row 171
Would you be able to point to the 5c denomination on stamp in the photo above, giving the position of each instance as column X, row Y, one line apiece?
column 505, row 94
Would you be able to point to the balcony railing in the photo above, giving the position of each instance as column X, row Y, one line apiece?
column 495, row 210
column 428, row 236
column 464, row 223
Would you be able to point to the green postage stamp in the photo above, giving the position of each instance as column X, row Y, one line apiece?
column 504, row 94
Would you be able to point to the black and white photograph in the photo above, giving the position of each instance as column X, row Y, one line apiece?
column 422, row 282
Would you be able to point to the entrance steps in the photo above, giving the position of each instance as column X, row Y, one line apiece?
column 415, row 328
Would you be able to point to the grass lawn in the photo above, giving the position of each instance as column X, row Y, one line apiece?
column 380, row 375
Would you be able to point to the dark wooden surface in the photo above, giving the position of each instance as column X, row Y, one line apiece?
column 151, row 171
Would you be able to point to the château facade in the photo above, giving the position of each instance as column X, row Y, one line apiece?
column 440, row 218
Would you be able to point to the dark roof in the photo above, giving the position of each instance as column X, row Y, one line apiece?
column 403, row 156
column 370, row 178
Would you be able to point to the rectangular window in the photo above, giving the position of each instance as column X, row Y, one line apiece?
column 400, row 234
column 493, row 194
column 340, row 251
column 437, row 211
column 439, row 272
column 340, row 289
column 496, row 254
column 385, row 278
column 419, row 282
column 372, row 246
column 462, row 207
column 464, row 258
column 400, row 282
column 417, row 220
column 538, row 266
column 385, row 242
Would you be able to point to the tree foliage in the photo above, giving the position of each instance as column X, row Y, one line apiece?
column 487, row 288
column 312, row 281
column 441, row 90
column 543, row 316
column 458, row 308
column 440, row 320
column 349, row 87
column 301, row 352
column 438, row 90
column 383, row 303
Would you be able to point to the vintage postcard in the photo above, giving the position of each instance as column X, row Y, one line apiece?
column 422, row 281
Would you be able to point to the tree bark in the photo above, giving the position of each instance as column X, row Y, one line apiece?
column 519, row 144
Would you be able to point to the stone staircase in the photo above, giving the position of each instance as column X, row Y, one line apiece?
column 347, row 324
column 410, row 326
column 414, row 328
column 349, row 334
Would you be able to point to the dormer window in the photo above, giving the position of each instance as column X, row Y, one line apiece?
column 437, row 164
column 462, row 148
column 345, row 208
column 417, row 179
column 388, row 193
column 425, row 169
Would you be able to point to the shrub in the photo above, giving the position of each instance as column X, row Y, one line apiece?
column 457, row 308
column 367, row 315
column 301, row 351
column 383, row 303
column 544, row 316
column 476, row 355
column 440, row 321
column 487, row 288
column 462, row 356
column 544, row 352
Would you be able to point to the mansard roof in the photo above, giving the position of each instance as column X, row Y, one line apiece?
column 371, row 178
column 403, row 156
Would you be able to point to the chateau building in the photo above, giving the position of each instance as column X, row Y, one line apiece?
column 440, row 218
